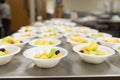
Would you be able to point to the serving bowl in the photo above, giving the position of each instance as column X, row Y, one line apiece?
column 99, row 35
column 74, row 34
column 7, row 58
column 44, row 63
column 44, row 42
column 109, row 41
column 79, row 40
column 49, row 35
column 14, row 41
column 94, row 59
column 25, row 35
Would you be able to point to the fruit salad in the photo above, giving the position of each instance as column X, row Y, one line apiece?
column 53, row 53
column 112, row 40
column 10, row 40
column 4, row 52
column 118, row 48
column 98, row 34
column 92, row 49
column 50, row 30
column 78, row 40
column 27, row 29
column 75, row 35
column 25, row 35
column 43, row 42
column 51, row 35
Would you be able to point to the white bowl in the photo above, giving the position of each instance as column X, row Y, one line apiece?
column 44, row 63
column 109, row 44
column 92, row 58
column 42, row 35
column 76, row 43
column 95, row 37
column 19, row 35
column 7, row 58
column 87, row 31
column 56, row 42
column 21, row 45
column 22, row 29
column 70, row 35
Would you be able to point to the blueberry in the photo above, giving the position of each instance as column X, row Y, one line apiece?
column 57, row 52
column 12, row 42
column 21, row 41
column 81, row 51
column 2, row 49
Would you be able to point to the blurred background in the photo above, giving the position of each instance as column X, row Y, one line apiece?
column 103, row 15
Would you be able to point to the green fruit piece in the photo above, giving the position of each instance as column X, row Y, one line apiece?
column 2, row 54
column 118, row 48
column 52, row 53
column 8, row 39
column 51, row 42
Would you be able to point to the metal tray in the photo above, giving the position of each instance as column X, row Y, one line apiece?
column 70, row 66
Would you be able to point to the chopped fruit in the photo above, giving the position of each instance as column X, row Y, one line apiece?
column 58, row 55
column 28, row 29
column 75, row 34
column 118, row 48
column 3, row 52
column 10, row 40
column 26, row 35
column 43, row 42
column 98, row 34
column 79, row 40
column 51, row 35
column 49, row 55
column 115, row 40
column 92, row 49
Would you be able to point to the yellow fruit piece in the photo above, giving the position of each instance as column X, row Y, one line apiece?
column 100, row 34
column 37, row 56
column 25, row 35
column 42, row 42
column 58, row 55
column 7, row 52
column 93, row 46
column 16, row 42
column 78, row 40
column 112, row 40
column 43, row 57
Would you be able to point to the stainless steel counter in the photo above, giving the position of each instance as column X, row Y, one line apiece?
column 70, row 66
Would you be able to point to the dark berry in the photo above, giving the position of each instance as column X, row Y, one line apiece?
column 12, row 42
column 81, row 51
column 21, row 41
column 57, row 52
column 2, row 49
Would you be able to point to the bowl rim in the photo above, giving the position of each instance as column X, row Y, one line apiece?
column 113, row 52
column 41, row 35
column 101, row 40
column 19, row 33
column 17, row 51
column 25, row 42
column 106, row 35
column 32, row 42
column 68, row 34
column 88, row 39
column 34, row 59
